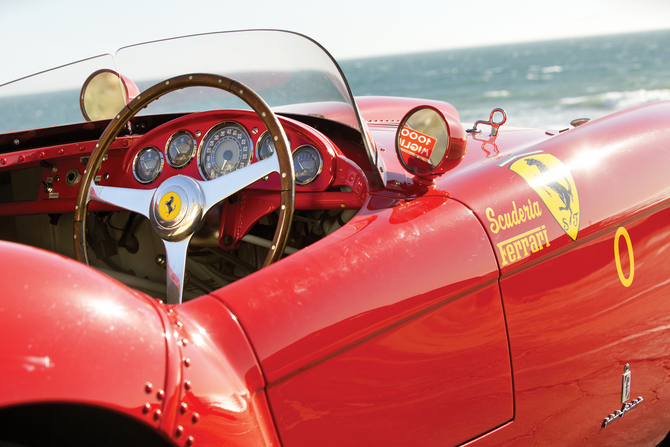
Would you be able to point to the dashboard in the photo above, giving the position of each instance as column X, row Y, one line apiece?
column 209, row 145
column 204, row 146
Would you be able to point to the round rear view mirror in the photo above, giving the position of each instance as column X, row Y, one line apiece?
column 104, row 93
column 429, row 142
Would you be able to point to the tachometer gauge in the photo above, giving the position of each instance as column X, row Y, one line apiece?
column 265, row 146
column 225, row 148
column 307, row 163
column 180, row 149
column 148, row 164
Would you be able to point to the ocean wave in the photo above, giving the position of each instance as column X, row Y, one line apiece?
column 618, row 100
column 496, row 94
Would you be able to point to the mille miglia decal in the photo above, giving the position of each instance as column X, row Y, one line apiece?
column 553, row 182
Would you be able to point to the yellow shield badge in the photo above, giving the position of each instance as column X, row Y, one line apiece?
column 169, row 206
column 553, row 182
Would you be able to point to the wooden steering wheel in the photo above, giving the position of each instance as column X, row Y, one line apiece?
column 177, row 207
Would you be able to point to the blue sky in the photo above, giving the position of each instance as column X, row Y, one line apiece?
column 38, row 34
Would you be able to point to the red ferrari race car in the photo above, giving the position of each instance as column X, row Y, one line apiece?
column 241, row 253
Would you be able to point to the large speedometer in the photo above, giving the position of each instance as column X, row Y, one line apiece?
column 225, row 148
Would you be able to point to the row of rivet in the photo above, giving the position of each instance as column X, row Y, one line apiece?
column 160, row 395
column 42, row 154
column 183, row 406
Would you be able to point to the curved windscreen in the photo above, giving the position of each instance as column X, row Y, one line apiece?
column 49, row 98
column 283, row 68
column 291, row 72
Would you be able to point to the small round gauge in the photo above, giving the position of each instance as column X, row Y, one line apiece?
column 148, row 164
column 180, row 149
column 265, row 146
column 225, row 148
column 307, row 164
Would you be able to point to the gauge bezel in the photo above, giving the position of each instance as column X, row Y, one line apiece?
column 191, row 155
column 137, row 157
column 303, row 148
column 216, row 128
column 259, row 142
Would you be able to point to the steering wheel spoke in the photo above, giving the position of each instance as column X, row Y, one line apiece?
column 228, row 184
column 136, row 200
column 175, row 267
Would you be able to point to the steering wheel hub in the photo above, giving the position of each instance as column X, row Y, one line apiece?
column 177, row 208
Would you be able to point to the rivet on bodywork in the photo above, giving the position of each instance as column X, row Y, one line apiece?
column 157, row 414
column 22, row 158
column 160, row 394
column 146, row 408
column 189, row 441
column 148, row 387
column 3, row 161
column 187, row 384
column 183, row 408
column 195, row 418
column 184, row 341
column 179, row 324
column 179, row 431
column 187, row 362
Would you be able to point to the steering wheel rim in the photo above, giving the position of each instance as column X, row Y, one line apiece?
column 89, row 190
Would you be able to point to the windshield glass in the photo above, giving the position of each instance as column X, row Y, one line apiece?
column 49, row 98
column 291, row 72
column 283, row 68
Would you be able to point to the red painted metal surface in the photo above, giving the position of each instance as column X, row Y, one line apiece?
column 417, row 329
column 574, row 318
column 81, row 338
column 218, row 390
column 77, row 336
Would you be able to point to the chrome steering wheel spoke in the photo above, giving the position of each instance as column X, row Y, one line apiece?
column 222, row 187
column 175, row 268
column 136, row 200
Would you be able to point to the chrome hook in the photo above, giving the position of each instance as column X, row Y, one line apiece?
column 494, row 125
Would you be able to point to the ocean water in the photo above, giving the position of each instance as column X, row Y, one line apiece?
column 540, row 84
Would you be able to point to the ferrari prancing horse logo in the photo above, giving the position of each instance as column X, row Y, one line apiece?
column 169, row 206
column 554, row 184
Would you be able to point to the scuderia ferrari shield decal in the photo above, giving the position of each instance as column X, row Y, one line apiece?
column 553, row 182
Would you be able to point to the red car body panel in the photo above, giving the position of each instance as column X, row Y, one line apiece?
column 73, row 348
column 436, row 332
column 189, row 374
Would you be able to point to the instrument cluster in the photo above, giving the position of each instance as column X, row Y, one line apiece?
column 229, row 143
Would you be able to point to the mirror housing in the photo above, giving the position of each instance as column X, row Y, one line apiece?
column 429, row 143
column 104, row 93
